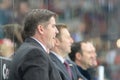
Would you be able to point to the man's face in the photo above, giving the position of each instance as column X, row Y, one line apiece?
column 65, row 42
column 50, row 32
column 88, row 57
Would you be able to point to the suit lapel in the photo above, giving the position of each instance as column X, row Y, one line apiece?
column 60, row 65
column 35, row 43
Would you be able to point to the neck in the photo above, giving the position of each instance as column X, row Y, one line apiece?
column 42, row 43
column 84, row 67
column 58, row 52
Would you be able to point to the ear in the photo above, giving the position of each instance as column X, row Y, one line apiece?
column 40, row 29
column 78, row 56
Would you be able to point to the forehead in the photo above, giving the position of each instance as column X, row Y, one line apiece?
column 87, row 46
column 64, row 31
column 52, row 20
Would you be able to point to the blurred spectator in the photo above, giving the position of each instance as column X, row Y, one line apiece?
column 78, row 33
column 14, row 33
column 6, row 14
column 12, row 39
column 6, row 48
column 22, row 8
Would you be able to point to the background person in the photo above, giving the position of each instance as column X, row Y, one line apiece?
column 83, row 53
column 12, row 39
column 63, row 42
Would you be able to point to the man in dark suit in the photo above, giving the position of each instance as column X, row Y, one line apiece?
column 83, row 53
column 58, row 54
column 31, row 61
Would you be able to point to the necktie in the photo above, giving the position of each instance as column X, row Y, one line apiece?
column 68, row 68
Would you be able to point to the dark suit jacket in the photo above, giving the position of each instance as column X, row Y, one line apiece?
column 76, row 74
column 85, row 73
column 60, row 66
column 62, row 70
column 31, row 62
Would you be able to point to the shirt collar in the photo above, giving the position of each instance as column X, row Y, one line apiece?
column 40, row 44
column 59, row 57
